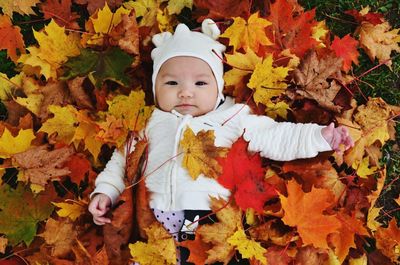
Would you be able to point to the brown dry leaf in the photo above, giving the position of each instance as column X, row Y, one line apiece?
column 388, row 240
column 23, row 7
column 379, row 41
column 130, row 35
column 230, row 220
column 59, row 235
column 39, row 165
column 55, row 93
column 79, row 94
column 310, row 256
column 312, row 75
column 200, row 154
column 272, row 231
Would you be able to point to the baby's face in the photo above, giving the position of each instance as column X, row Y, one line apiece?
column 187, row 85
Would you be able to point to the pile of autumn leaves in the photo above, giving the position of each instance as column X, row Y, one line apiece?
column 72, row 100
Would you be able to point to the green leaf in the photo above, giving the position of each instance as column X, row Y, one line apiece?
column 20, row 212
column 100, row 66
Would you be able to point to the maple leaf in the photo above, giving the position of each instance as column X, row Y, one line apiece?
column 87, row 131
column 198, row 250
column 10, row 145
column 250, row 34
column 379, row 41
column 71, row 210
column 346, row 48
column 59, row 235
column 373, row 213
column 176, row 6
column 11, row 38
column 292, row 30
column 312, row 225
column 230, row 220
column 362, row 168
column 248, row 248
column 38, row 165
column 200, row 154
column 372, row 118
column 344, row 239
column 365, row 15
column 220, row 10
column 100, row 66
column 9, row 85
column 147, row 9
column 80, row 167
column 388, row 240
column 55, row 48
column 267, row 81
column 273, row 110
column 312, row 76
column 160, row 248
column 94, row 5
column 60, row 11
column 319, row 33
column 20, row 212
column 243, row 65
column 63, row 123
column 23, row 7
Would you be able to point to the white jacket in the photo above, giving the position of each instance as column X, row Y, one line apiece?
column 171, row 188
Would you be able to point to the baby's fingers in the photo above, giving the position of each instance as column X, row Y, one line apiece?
column 101, row 220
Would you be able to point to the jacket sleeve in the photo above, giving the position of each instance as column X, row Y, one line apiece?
column 283, row 141
column 111, row 180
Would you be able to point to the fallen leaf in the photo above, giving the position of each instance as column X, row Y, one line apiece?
column 379, row 41
column 247, row 34
column 10, row 145
column 94, row 5
column 197, row 249
column 312, row 75
column 23, row 7
column 3, row 244
column 248, row 248
column 12, row 38
column 222, row 9
column 80, row 167
column 200, row 154
column 39, row 165
column 267, row 81
column 346, row 48
column 20, row 212
column 388, row 240
column 176, row 6
column 160, row 248
column 60, row 11
column 312, row 224
column 363, row 169
column 230, row 220
column 71, row 210
column 60, row 236
column 79, row 94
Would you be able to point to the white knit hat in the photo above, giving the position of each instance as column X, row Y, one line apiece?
column 190, row 43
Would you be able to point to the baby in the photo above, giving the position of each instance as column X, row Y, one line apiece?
column 187, row 85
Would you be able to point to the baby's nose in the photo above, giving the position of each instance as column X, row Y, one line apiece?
column 185, row 92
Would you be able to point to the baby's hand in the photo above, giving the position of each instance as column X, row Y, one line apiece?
column 337, row 136
column 98, row 207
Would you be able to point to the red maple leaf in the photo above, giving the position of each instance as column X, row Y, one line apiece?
column 292, row 31
column 346, row 48
column 60, row 11
column 373, row 18
column 79, row 167
column 243, row 174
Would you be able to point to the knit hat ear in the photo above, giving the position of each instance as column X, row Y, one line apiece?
column 210, row 28
column 160, row 38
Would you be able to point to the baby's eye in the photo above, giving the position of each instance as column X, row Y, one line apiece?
column 201, row 83
column 171, row 83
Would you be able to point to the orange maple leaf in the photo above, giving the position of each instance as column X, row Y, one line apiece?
column 388, row 240
column 305, row 211
column 198, row 250
column 11, row 38
column 346, row 48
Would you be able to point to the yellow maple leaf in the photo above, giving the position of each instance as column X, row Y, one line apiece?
column 176, row 6
column 242, row 65
column 63, row 123
column 71, row 210
column 23, row 7
column 363, row 260
column 362, row 168
column 248, row 34
column 200, row 154
column 319, row 33
column 10, row 145
column 373, row 119
column 379, row 41
column 230, row 220
column 87, row 131
column 159, row 250
column 267, row 81
column 9, row 85
column 147, row 9
column 166, row 21
column 55, row 48
column 131, row 110
column 248, row 248
column 277, row 109
column 373, row 213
